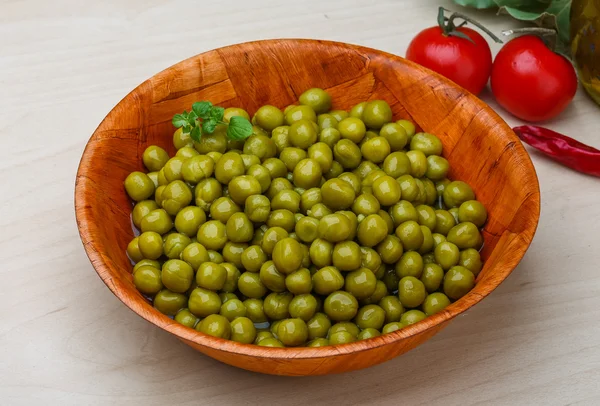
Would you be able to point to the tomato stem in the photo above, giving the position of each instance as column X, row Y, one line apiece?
column 447, row 25
column 548, row 35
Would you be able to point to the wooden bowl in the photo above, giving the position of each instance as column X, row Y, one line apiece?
column 480, row 146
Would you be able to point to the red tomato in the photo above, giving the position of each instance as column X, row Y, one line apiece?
column 531, row 81
column 466, row 63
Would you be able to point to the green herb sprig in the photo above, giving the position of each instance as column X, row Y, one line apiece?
column 204, row 118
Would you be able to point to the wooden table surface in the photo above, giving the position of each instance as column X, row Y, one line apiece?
column 64, row 338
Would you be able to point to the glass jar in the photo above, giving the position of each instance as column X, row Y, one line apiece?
column 585, row 44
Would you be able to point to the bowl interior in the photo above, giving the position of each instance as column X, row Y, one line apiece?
column 481, row 148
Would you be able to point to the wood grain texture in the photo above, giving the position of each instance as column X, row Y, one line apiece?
column 65, row 339
column 481, row 148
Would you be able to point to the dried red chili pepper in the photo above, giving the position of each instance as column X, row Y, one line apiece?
column 561, row 148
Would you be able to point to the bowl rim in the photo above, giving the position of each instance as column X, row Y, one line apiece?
column 104, row 265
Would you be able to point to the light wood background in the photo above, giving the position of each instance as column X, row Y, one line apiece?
column 64, row 339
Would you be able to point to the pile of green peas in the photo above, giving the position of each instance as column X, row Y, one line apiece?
column 322, row 228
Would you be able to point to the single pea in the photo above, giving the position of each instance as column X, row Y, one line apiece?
column 299, row 282
column 232, row 277
column 243, row 330
column 437, row 167
column 408, row 126
column 366, row 204
column 403, row 211
column 318, row 99
column 397, row 164
column 211, row 276
column 141, row 210
column 292, row 332
column 346, row 326
column 168, row 302
column 276, row 305
column 444, row 222
column 232, row 309
column 337, row 194
column 387, row 190
column 239, row 228
column 206, row 192
column 427, row 143
column 203, row 302
column 361, row 283
column 303, row 306
column 150, row 245
column 410, row 234
column 395, row 134
column 390, row 249
column 329, row 136
column 346, row 256
column 412, row 317
column 438, row 239
column 335, row 227
column 446, row 255
column 431, row 197
column 370, row 316
column 352, row 129
column 155, row 158
column 271, row 277
column 235, row 112
column 307, row 229
column 318, row 326
column 257, row 208
column 185, row 317
column 379, row 293
column 347, row 153
column 321, row 252
column 326, row 121
column 391, row 327
column 223, row 208
column 212, row 235
column 147, row 262
column 364, row 169
column 270, row 342
column 410, row 264
column 281, row 138
column 336, row 170
column 465, row 235
column 215, row 325
column 174, row 245
column 375, row 149
column 287, row 255
column 471, row 260
column 255, row 310
column 357, row 110
column 341, row 337
column 196, row 168
column 227, row 296
column 351, row 179
column 368, row 333
column 261, row 335
column 341, row 306
column 241, row 187
column 189, row 219
column 432, row 277
column 456, row 193
column 392, row 307
column 186, row 153
column 271, row 237
column 269, row 117
column 302, row 134
column 253, row 258
column 214, row 256
column 472, row 211
column 377, row 113
column 177, row 275
column 422, row 193
column 427, row 245
column 181, row 139
column 251, row 286
column 261, row 174
column 411, row 291
column 319, row 211
column 172, row 169
column 286, row 199
column 372, row 230
column 409, row 188
column 307, row 173
column 418, row 163
column 435, row 303
column 139, row 186
column 318, row 342
column 327, row 280
column 175, row 197
column 276, row 167
column 458, row 281
column 260, row 145
column 147, row 280
column 426, row 216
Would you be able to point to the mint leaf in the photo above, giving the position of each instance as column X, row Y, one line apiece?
column 208, row 126
column 187, row 128
column 195, row 134
column 191, row 119
column 179, row 120
column 239, row 128
column 202, row 109
column 217, row 113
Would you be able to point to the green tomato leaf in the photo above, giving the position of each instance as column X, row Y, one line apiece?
column 217, row 113
column 477, row 3
column 202, row 109
column 208, row 126
column 179, row 120
column 195, row 134
column 239, row 128
column 554, row 14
